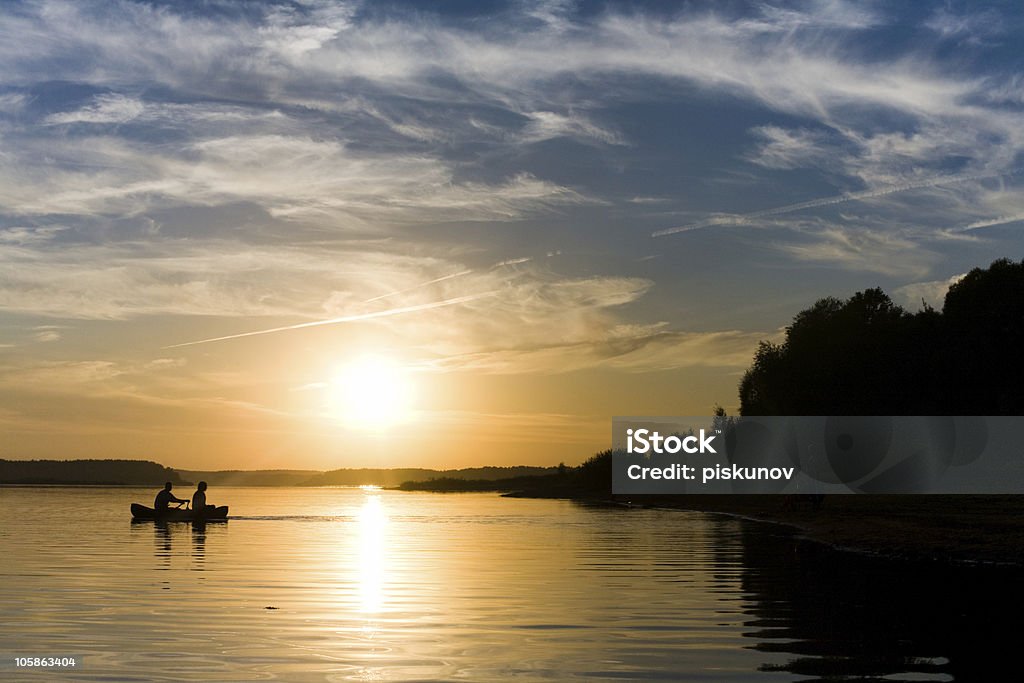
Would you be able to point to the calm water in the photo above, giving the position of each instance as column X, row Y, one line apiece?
column 376, row 585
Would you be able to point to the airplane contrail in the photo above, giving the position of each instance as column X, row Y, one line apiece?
column 499, row 264
column 422, row 284
column 512, row 262
column 344, row 319
column 1001, row 220
column 742, row 219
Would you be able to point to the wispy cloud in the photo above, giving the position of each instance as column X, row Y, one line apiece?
column 291, row 177
column 865, row 250
column 210, row 277
column 629, row 348
column 745, row 219
column 933, row 293
column 24, row 236
column 46, row 333
column 319, row 58
column 109, row 108
column 547, row 125
column 782, row 148
column 972, row 26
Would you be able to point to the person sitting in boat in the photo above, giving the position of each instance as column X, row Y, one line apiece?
column 165, row 498
column 199, row 499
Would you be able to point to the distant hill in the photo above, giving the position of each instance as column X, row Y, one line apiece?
column 249, row 478
column 105, row 472
column 395, row 477
column 590, row 480
column 545, row 483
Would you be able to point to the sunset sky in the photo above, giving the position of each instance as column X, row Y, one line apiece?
column 529, row 216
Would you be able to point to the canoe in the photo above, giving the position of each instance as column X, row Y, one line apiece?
column 180, row 515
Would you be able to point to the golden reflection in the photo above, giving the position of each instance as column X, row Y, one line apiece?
column 373, row 520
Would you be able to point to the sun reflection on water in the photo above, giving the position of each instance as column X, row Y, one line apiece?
column 372, row 560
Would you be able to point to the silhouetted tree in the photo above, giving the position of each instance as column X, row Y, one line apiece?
column 140, row 472
column 983, row 322
column 868, row 356
column 595, row 473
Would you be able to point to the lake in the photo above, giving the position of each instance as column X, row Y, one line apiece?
column 335, row 584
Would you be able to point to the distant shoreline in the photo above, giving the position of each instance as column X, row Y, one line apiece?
column 119, row 472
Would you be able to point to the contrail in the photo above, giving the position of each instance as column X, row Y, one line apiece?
column 512, row 262
column 742, row 219
column 499, row 264
column 1001, row 220
column 422, row 284
column 344, row 319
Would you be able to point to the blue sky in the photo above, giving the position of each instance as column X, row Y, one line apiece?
column 571, row 209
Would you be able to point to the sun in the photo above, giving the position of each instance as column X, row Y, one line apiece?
column 371, row 392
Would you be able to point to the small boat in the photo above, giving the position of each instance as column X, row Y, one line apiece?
column 219, row 514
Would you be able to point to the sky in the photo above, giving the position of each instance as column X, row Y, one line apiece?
column 492, row 225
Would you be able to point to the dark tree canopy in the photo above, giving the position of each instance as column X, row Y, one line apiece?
column 122, row 472
column 868, row 356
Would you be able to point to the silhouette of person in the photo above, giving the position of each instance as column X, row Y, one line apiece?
column 199, row 499
column 164, row 498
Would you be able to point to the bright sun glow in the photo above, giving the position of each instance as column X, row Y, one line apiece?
column 371, row 393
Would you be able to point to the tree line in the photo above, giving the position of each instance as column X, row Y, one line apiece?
column 868, row 356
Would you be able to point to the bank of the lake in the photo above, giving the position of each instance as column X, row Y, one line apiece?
column 945, row 528
column 985, row 529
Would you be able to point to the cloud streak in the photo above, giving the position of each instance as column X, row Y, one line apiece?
column 747, row 218
column 993, row 222
column 443, row 278
column 344, row 319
